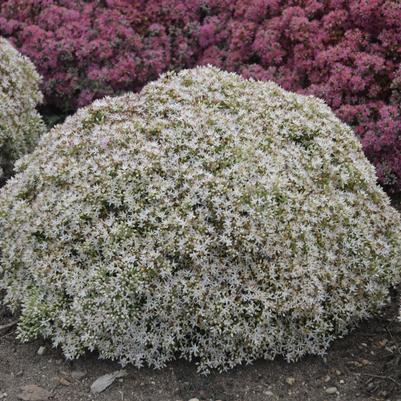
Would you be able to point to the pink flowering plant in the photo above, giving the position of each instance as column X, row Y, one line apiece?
column 347, row 52
column 86, row 50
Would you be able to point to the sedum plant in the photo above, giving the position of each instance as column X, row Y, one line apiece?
column 345, row 51
column 20, row 123
column 208, row 217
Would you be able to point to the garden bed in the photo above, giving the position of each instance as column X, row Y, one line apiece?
column 363, row 366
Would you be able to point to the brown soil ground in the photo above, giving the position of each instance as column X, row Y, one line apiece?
column 363, row 366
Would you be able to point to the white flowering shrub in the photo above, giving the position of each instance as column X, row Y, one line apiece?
column 208, row 217
column 20, row 123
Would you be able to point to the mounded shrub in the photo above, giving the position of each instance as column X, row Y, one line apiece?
column 207, row 217
column 20, row 123
column 344, row 51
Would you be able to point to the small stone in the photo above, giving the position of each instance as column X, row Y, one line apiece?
column 327, row 379
column 290, row 381
column 365, row 362
column 342, row 381
column 32, row 392
column 64, row 381
column 41, row 350
column 370, row 386
column 268, row 393
column 194, row 399
column 331, row 390
column 78, row 374
column 20, row 373
column 338, row 372
column 3, row 395
column 102, row 382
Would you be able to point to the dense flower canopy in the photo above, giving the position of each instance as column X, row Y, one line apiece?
column 207, row 217
column 20, row 124
column 347, row 52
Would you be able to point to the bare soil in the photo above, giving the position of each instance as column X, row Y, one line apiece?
column 364, row 365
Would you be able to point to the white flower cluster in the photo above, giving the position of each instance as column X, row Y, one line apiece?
column 20, row 123
column 209, row 217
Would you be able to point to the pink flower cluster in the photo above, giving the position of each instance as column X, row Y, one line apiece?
column 86, row 50
column 346, row 51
